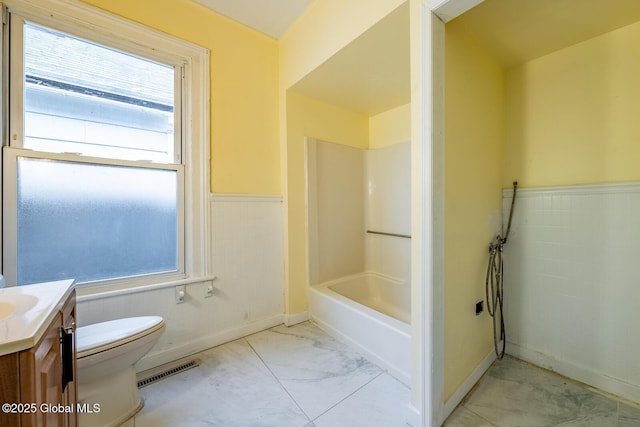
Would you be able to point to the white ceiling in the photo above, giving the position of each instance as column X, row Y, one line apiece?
column 270, row 17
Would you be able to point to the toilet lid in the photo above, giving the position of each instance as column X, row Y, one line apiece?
column 114, row 333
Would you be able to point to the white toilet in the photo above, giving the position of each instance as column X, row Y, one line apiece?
column 107, row 353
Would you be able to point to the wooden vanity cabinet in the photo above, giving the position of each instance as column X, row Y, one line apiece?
column 9, row 387
column 40, row 372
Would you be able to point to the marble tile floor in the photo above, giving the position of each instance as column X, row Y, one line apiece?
column 516, row 394
column 301, row 377
column 283, row 377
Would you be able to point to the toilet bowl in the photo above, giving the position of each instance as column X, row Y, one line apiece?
column 107, row 353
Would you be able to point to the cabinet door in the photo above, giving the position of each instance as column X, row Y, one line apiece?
column 70, row 392
column 9, row 388
column 40, row 374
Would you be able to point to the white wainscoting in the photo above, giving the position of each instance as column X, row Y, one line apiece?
column 247, row 260
column 572, row 283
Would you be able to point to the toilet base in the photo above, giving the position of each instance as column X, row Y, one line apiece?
column 109, row 402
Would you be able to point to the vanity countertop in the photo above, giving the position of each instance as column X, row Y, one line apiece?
column 26, row 312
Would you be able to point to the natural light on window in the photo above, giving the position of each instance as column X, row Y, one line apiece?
column 84, row 98
column 93, row 222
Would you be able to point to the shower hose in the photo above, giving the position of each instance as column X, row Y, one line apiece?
column 494, row 284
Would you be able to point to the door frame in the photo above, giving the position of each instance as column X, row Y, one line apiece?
column 428, row 18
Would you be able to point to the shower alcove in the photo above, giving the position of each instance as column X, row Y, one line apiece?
column 350, row 120
column 546, row 93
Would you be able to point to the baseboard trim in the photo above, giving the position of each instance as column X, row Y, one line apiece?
column 413, row 418
column 466, row 387
column 153, row 360
column 598, row 380
column 294, row 319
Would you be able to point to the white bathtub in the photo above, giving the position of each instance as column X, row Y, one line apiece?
column 372, row 313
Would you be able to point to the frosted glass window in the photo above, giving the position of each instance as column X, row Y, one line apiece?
column 93, row 183
column 90, row 222
column 85, row 98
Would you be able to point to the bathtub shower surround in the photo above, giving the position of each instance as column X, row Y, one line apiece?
column 388, row 210
column 351, row 191
column 359, row 204
column 380, row 293
column 571, row 283
column 360, row 309
column 335, row 210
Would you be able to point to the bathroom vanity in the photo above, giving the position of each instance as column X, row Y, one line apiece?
column 38, row 355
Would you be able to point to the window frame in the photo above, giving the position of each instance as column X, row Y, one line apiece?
column 191, row 105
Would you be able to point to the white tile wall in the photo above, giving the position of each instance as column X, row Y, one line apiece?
column 572, row 283
column 248, row 255
column 247, row 259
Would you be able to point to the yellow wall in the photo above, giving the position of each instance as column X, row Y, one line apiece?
column 474, row 122
column 390, row 127
column 324, row 28
column 308, row 117
column 573, row 117
column 245, row 146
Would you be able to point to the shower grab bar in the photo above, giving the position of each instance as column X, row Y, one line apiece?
column 383, row 233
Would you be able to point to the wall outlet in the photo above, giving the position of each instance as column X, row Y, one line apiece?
column 479, row 307
column 180, row 294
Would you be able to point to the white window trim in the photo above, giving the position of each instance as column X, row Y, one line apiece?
column 96, row 24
